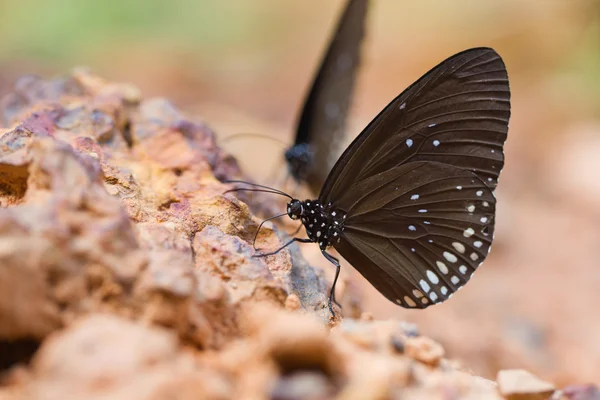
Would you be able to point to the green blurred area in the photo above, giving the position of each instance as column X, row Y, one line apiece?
column 62, row 29
column 238, row 41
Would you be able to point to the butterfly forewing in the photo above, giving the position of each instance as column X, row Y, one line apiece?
column 417, row 184
column 321, row 126
column 456, row 114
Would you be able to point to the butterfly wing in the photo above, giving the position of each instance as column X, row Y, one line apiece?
column 418, row 231
column 417, row 184
column 456, row 114
column 321, row 126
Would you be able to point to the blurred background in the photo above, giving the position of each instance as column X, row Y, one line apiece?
column 244, row 66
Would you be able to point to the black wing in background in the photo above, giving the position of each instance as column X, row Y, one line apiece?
column 321, row 126
column 417, row 184
column 455, row 114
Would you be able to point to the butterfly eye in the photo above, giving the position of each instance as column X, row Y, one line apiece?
column 295, row 209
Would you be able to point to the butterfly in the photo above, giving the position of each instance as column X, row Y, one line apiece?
column 410, row 203
column 322, row 121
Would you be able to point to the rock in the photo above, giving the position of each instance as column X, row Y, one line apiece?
column 103, row 356
column 126, row 271
column 424, row 350
column 518, row 384
column 581, row 392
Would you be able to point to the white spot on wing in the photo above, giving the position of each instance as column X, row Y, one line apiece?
column 468, row 232
column 424, row 286
column 450, row 257
column 433, row 296
column 431, row 125
column 423, row 211
column 479, row 193
column 462, row 269
column 483, row 220
column 454, row 280
column 471, row 208
column 459, row 188
column 433, row 278
column 409, row 142
column 474, row 256
column 444, row 290
column 402, row 106
column 414, row 197
column 436, row 143
column 477, row 244
column 442, row 267
column 412, row 228
column 459, row 247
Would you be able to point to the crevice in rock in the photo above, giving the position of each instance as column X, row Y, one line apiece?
column 167, row 204
column 192, row 237
column 16, row 352
column 126, row 133
column 13, row 183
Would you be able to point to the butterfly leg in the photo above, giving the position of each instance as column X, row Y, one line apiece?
column 296, row 231
column 260, row 226
column 283, row 247
column 335, row 262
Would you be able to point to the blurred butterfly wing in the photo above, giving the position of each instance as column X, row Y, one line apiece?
column 414, row 235
column 456, row 114
column 323, row 119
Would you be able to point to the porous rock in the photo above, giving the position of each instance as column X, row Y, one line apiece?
column 127, row 272
column 518, row 384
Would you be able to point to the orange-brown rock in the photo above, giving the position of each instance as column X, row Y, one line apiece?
column 126, row 272
column 517, row 384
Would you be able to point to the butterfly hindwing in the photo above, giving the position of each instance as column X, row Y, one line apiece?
column 417, row 239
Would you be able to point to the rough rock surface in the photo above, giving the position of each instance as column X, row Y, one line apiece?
column 127, row 273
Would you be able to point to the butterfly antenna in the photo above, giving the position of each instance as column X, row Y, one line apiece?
column 260, row 226
column 253, row 135
column 265, row 189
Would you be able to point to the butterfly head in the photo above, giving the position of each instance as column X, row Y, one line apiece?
column 295, row 209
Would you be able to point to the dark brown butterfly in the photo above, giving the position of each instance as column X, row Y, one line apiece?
column 410, row 203
column 322, row 122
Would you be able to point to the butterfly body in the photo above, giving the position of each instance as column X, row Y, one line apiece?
column 324, row 224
